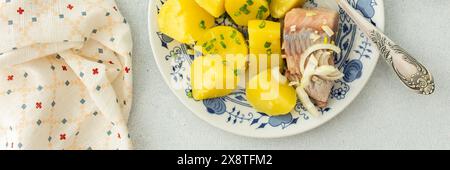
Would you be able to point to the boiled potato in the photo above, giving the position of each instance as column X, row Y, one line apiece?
column 265, row 39
column 278, row 8
column 212, row 78
column 242, row 11
column 223, row 41
column 215, row 7
column 184, row 20
column 269, row 96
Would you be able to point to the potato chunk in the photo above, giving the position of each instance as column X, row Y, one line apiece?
column 215, row 7
column 184, row 20
column 279, row 8
column 227, row 42
column 243, row 11
column 269, row 96
column 212, row 78
column 265, row 39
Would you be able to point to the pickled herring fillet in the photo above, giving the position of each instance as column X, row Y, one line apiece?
column 310, row 18
column 304, row 28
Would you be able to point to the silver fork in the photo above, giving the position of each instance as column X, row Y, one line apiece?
column 410, row 71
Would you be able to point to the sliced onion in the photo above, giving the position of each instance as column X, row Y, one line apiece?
column 304, row 98
column 324, row 59
column 313, row 49
column 328, row 73
column 316, row 67
column 309, row 71
column 276, row 74
column 294, row 83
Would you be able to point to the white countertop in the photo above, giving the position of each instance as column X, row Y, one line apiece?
column 384, row 116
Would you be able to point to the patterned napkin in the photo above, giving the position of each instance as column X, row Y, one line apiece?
column 65, row 75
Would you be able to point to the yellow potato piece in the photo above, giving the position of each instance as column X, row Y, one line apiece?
column 279, row 8
column 184, row 20
column 269, row 96
column 242, row 11
column 264, row 39
column 212, row 78
column 215, row 7
column 227, row 42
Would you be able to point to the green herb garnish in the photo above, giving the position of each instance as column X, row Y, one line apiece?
column 202, row 24
column 267, row 44
column 262, row 25
column 223, row 44
column 233, row 35
column 244, row 9
column 237, row 72
column 210, row 47
column 237, row 41
column 262, row 9
column 269, row 51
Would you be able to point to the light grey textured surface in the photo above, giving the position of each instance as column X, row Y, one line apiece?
column 384, row 116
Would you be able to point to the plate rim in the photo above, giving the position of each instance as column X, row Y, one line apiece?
column 380, row 26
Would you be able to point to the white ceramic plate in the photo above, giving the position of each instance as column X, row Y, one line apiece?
column 233, row 113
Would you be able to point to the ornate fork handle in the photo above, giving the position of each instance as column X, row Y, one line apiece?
column 411, row 72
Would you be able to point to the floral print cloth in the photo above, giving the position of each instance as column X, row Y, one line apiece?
column 65, row 75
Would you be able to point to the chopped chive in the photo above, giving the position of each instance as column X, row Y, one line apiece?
column 223, row 44
column 222, row 37
column 233, row 35
column 237, row 72
column 269, row 51
column 259, row 15
column 262, row 25
column 267, row 45
column 244, row 9
column 249, row 2
column 209, row 48
column 237, row 41
column 202, row 24
column 262, row 9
